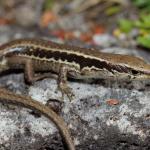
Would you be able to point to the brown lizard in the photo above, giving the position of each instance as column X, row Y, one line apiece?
column 36, row 55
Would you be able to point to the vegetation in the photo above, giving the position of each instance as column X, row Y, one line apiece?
column 142, row 24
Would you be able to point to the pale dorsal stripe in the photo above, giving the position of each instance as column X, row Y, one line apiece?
column 56, row 49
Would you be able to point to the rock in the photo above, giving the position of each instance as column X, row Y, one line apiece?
column 105, row 40
column 24, row 13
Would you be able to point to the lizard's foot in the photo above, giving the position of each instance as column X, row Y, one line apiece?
column 66, row 90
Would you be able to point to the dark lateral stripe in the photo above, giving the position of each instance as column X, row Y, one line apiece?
column 82, row 61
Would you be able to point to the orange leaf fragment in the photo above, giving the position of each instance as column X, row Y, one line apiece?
column 112, row 101
column 58, row 33
column 63, row 34
column 4, row 21
column 47, row 17
column 69, row 35
column 98, row 29
column 86, row 37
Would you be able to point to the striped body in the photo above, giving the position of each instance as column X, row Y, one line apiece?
column 81, row 62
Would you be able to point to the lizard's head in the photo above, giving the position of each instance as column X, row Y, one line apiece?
column 141, row 73
column 138, row 68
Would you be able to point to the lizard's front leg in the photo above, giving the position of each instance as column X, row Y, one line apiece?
column 62, row 78
column 30, row 75
column 62, row 83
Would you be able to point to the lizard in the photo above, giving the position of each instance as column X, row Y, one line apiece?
column 65, row 61
column 27, row 102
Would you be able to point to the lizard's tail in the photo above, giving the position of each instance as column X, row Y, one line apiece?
column 9, row 97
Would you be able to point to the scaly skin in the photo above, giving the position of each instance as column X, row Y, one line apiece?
column 37, row 55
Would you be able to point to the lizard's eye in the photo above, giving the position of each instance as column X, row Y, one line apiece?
column 134, row 72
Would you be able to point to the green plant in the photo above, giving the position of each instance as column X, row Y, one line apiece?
column 142, row 4
column 144, row 41
column 48, row 4
column 142, row 24
column 125, row 25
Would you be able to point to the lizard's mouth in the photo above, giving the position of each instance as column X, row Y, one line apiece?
column 142, row 77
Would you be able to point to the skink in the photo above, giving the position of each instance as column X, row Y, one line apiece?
column 37, row 55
